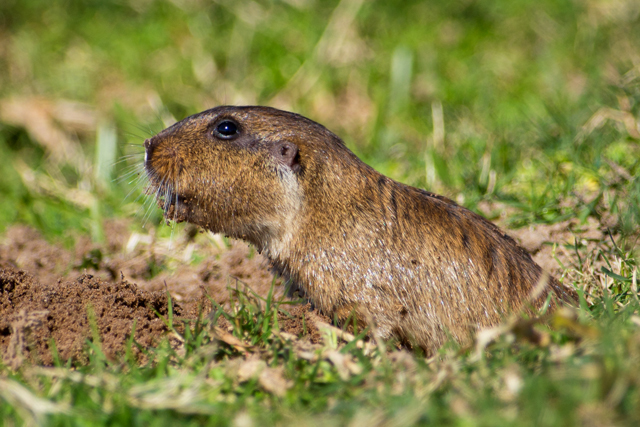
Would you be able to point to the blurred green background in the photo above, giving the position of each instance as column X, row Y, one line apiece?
column 521, row 103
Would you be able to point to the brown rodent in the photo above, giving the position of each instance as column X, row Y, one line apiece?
column 416, row 264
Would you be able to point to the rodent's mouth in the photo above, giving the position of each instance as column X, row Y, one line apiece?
column 177, row 205
column 176, row 209
column 174, row 206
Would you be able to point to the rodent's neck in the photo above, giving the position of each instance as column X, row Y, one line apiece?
column 283, row 227
column 334, row 213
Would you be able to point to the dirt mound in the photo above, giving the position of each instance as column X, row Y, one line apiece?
column 98, row 292
column 33, row 314
column 153, row 263
column 71, row 314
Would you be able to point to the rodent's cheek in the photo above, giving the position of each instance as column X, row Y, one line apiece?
column 166, row 161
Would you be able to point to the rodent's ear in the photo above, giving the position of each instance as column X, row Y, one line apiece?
column 286, row 153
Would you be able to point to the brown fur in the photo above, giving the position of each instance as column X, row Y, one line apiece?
column 356, row 242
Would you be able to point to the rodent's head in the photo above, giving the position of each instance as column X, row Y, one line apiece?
column 239, row 170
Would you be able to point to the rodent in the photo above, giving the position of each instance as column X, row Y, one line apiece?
column 416, row 264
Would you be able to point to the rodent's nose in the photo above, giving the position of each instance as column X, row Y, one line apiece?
column 148, row 148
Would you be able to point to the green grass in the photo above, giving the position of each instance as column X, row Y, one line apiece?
column 580, row 370
column 521, row 104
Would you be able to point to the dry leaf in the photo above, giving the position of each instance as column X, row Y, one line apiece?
column 273, row 381
column 229, row 339
column 250, row 369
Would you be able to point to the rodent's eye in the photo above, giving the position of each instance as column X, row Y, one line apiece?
column 226, row 130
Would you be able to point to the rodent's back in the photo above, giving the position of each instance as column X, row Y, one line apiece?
column 419, row 265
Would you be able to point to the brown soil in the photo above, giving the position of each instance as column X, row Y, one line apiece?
column 32, row 315
column 96, row 292
column 154, row 264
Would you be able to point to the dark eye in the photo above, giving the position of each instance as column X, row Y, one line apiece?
column 226, row 129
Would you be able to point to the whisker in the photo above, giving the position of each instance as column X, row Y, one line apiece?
column 131, row 169
column 152, row 199
column 135, row 179
column 149, row 132
column 139, row 180
column 167, row 199
column 148, row 211
column 138, row 145
column 175, row 215
column 130, row 156
column 136, row 165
